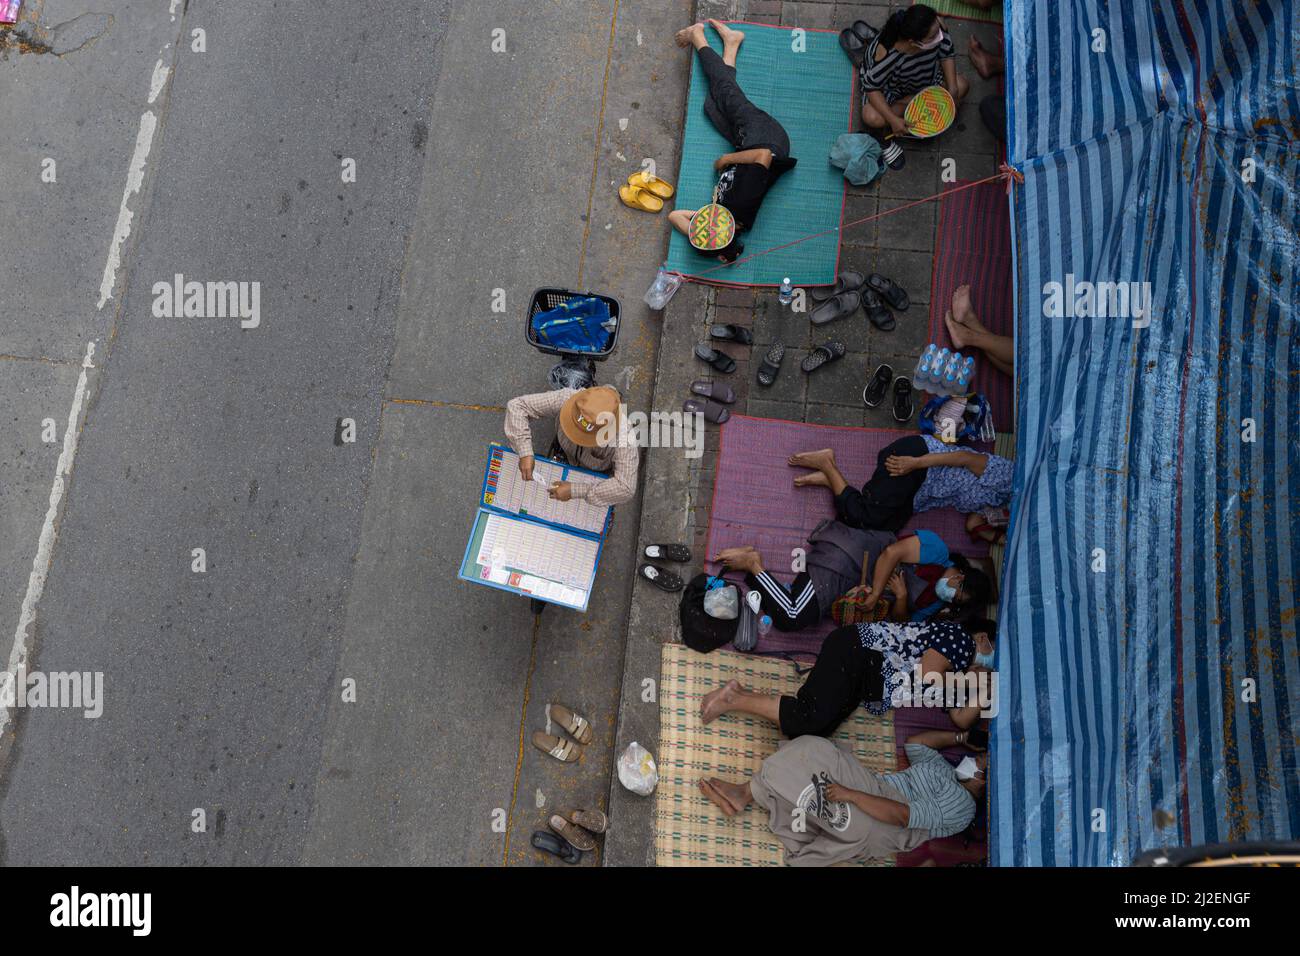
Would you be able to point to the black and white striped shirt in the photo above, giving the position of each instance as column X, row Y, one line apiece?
column 900, row 74
column 935, row 800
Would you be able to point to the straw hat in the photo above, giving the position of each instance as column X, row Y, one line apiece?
column 581, row 416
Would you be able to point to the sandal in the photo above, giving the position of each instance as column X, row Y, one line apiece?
column 771, row 365
column 864, row 30
column 890, row 291
column 877, row 314
column 651, row 184
column 823, row 355
column 575, row 725
column 903, row 408
column 580, row 838
column 548, row 842
column 720, row 361
column 844, row 282
column 593, row 821
column 837, row 307
column 732, row 333
column 667, row 552
column 714, row 390
column 853, row 46
column 661, row 578
column 565, row 751
column 876, row 389
column 638, row 198
column 712, row 411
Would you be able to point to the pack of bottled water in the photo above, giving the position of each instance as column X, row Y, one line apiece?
column 942, row 371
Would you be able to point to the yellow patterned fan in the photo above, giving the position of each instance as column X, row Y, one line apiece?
column 712, row 228
column 930, row 112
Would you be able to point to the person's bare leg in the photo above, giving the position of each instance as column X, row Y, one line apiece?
column 986, row 63
column 967, row 331
column 692, row 36
column 731, row 41
column 732, row 698
column 825, row 474
column 730, row 798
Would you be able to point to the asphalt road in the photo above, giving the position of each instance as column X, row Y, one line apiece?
column 328, row 562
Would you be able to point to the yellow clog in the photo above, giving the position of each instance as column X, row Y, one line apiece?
column 638, row 198
column 653, row 184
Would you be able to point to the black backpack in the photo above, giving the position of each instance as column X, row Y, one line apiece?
column 700, row 631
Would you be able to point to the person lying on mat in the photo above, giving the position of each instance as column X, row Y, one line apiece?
column 869, row 664
column 913, row 474
column 762, row 145
column 912, row 51
column 849, row 812
column 921, row 579
column 968, row 332
column 587, row 433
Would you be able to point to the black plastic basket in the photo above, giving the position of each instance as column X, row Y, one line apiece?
column 545, row 299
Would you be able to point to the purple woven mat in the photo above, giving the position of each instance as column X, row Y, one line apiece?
column 755, row 502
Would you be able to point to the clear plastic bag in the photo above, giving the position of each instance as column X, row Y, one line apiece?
column 637, row 770
column 662, row 289
column 722, row 603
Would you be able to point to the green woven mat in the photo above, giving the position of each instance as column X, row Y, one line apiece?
column 955, row 8
column 811, row 94
column 690, row 831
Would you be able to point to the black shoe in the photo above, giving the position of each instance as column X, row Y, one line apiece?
column 874, row 393
column 903, row 408
column 893, row 156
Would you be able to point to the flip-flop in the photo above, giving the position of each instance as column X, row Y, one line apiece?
column 548, row 842
column 875, row 391
column 651, row 184
column 661, row 578
column 844, row 282
column 903, row 407
column 575, row 725
column 565, row 751
column 667, row 552
column 714, row 390
column 593, row 821
column 712, row 411
column 771, row 365
column 732, row 333
column 853, row 46
column 890, row 291
column 877, row 314
column 864, row 31
column 823, row 355
column 580, row 838
column 837, row 307
column 638, row 198
column 720, row 361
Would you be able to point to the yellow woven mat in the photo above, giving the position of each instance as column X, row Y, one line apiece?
column 690, row 831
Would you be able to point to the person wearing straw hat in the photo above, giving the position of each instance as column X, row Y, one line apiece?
column 762, row 149
column 588, row 430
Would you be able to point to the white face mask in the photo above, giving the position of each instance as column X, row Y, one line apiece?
column 931, row 44
column 967, row 769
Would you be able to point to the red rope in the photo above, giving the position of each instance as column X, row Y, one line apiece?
column 1009, row 173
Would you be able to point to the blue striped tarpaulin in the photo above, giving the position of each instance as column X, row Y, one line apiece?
column 1148, row 658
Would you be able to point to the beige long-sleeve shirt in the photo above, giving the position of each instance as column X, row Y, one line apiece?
column 620, row 462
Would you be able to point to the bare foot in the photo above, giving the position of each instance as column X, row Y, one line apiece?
column 823, row 458
column 717, row 797
column 740, row 559
column 718, row 702
column 814, row 479
column 964, row 313
column 980, row 58
column 730, row 38
column 956, row 331
column 691, row 36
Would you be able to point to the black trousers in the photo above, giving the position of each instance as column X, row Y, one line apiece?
column 885, row 501
column 844, row 676
column 792, row 608
column 740, row 122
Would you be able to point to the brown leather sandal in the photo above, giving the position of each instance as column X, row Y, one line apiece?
column 593, row 821
column 566, row 751
column 575, row 834
column 575, row 725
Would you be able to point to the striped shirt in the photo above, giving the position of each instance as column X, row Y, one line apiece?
column 935, row 800
column 899, row 74
column 621, row 462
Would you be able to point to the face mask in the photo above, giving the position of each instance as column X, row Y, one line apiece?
column 984, row 660
column 931, row 44
column 944, row 591
column 967, row 769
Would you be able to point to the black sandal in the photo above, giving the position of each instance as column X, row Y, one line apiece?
column 890, row 291
column 714, row 390
column 823, row 355
column 711, row 410
column 875, row 391
column 877, row 314
column 853, row 46
column 903, row 408
column 732, row 333
column 667, row 552
column 721, row 361
column 844, row 282
column 771, row 365
column 837, row 307
column 552, row 843
column 661, row 578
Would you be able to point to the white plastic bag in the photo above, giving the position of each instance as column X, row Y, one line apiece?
column 637, row 770
column 722, row 603
column 662, row 289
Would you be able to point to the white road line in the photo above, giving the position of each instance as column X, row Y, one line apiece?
column 134, row 178
column 45, row 544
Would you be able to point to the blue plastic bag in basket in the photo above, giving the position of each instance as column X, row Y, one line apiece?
column 580, row 325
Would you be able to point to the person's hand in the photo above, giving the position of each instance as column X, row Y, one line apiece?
column 898, row 465
column 836, row 793
column 897, row 586
column 897, row 123
column 526, row 467
column 719, row 164
column 561, row 491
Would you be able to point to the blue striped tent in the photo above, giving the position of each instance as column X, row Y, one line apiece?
column 1148, row 661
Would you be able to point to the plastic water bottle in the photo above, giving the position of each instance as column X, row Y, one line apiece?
column 955, row 363
column 935, row 381
column 786, row 295
column 965, row 374
column 923, row 366
column 764, row 625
